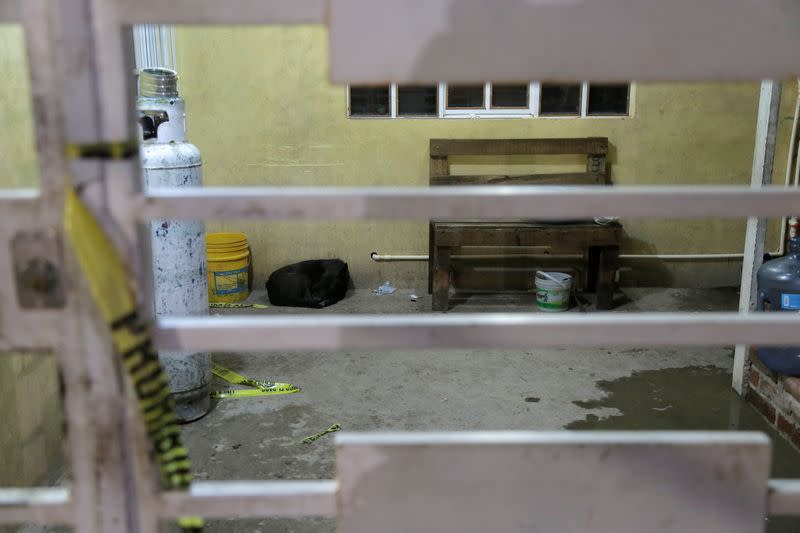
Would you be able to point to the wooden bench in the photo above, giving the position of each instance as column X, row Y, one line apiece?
column 598, row 243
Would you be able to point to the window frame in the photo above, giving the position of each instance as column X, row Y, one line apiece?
column 583, row 92
column 487, row 111
column 585, row 102
column 531, row 111
column 507, row 107
column 394, row 95
column 392, row 106
column 445, row 108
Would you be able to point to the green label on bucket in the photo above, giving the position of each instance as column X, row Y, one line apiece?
column 230, row 281
column 552, row 298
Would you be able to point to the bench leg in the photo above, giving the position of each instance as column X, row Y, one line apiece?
column 441, row 278
column 592, row 256
column 431, row 254
column 606, row 274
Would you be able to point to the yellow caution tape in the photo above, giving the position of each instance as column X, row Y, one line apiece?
column 110, row 288
column 261, row 387
column 102, row 150
column 279, row 388
column 315, row 436
column 224, row 305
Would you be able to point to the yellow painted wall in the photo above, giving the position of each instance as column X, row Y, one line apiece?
column 17, row 155
column 262, row 111
column 31, row 439
column 32, row 436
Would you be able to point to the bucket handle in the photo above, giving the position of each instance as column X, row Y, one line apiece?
column 551, row 278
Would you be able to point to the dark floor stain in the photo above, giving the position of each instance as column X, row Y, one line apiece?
column 695, row 398
column 532, row 399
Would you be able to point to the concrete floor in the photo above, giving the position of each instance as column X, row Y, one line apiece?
column 259, row 438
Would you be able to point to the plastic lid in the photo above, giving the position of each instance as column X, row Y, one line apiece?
column 226, row 239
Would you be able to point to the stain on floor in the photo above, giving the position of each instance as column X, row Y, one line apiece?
column 694, row 398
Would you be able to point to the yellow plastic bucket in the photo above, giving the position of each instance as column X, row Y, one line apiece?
column 228, row 257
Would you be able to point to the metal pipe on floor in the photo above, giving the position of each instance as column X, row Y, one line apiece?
column 681, row 257
column 385, row 258
column 379, row 258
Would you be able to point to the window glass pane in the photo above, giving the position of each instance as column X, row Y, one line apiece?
column 608, row 99
column 560, row 99
column 509, row 95
column 465, row 96
column 417, row 101
column 369, row 101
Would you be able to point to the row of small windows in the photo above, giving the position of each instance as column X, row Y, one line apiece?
column 528, row 99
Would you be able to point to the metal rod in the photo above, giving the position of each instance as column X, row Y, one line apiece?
column 37, row 505
column 97, row 427
column 784, row 497
column 763, row 162
column 229, row 12
column 386, row 258
column 485, row 330
column 10, row 196
column 480, row 202
column 261, row 499
column 252, row 499
column 380, row 258
column 680, row 257
column 50, row 30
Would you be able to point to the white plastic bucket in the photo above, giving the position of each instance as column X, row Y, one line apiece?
column 552, row 291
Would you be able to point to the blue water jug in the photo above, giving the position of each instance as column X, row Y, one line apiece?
column 779, row 290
